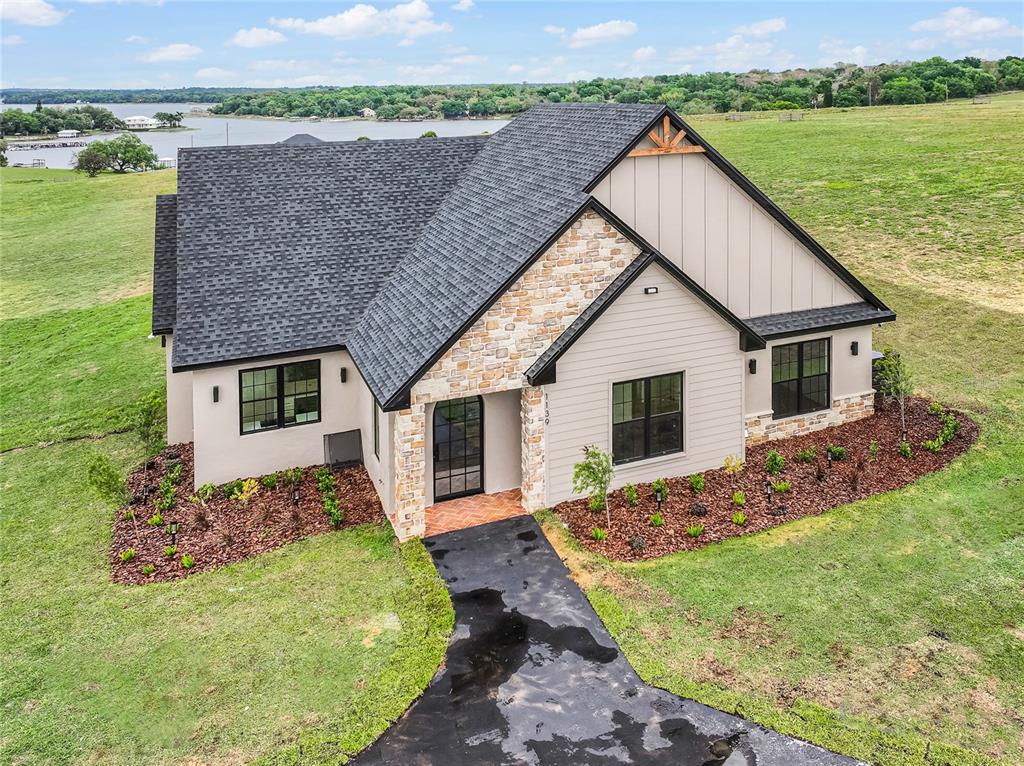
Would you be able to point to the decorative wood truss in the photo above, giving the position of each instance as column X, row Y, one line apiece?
column 666, row 143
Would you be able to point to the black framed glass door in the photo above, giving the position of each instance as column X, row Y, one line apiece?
column 458, row 448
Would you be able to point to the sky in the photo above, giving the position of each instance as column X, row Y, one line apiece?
column 174, row 43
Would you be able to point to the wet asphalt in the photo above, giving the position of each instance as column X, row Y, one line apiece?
column 532, row 677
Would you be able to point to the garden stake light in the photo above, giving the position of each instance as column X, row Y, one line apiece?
column 659, row 496
column 295, row 495
column 172, row 530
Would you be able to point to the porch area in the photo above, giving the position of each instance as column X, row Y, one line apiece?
column 471, row 511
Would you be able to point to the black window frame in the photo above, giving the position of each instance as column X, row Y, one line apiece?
column 647, row 417
column 376, row 431
column 801, row 377
column 280, row 397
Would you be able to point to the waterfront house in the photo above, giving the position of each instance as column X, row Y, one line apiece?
column 139, row 122
column 464, row 314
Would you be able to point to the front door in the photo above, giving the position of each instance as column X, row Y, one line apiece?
column 458, row 448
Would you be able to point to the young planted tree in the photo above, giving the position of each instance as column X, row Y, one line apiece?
column 147, row 421
column 593, row 475
column 895, row 382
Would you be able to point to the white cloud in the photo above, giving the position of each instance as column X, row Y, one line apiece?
column 406, row 42
column 961, row 27
column 466, row 59
column 408, row 20
column 214, row 73
column 463, row 5
column 172, row 52
column 515, row 69
column 762, row 28
column 34, row 13
column 606, row 31
column 136, row 40
column 647, row 53
column 834, row 50
column 256, row 37
column 736, row 54
column 551, row 29
column 12, row 40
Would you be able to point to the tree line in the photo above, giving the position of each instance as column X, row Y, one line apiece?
column 842, row 85
column 47, row 120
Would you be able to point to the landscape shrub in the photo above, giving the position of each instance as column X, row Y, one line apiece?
column 807, row 455
column 593, row 475
column 270, row 481
column 324, row 478
column 187, row 562
column 249, row 489
column 697, row 483
column 106, row 480
column 837, row 453
column 732, row 464
column 598, row 534
column 932, row 445
column 935, row 408
column 739, row 497
column 873, row 450
column 333, row 510
column 128, row 515
column 148, row 569
column 293, row 476
column 231, row 489
column 660, row 486
column 170, row 550
column 695, row 530
column 127, row 554
column 739, row 518
column 774, row 462
column 905, row 449
column 698, row 510
column 205, row 493
column 596, row 502
column 156, row 520
column 631, row 495
column 782, row 487
column 657, row 520
column 174, row 475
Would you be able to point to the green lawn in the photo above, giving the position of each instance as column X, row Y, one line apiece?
column 311, row 648
column 891, row 629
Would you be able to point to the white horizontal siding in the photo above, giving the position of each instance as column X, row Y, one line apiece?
column 641, row 335
column 706, row 224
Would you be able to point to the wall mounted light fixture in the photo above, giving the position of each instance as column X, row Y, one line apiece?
column 344, row 374
column 752, row 366
column 216, row 394
column 650, row 290
column 855, row 348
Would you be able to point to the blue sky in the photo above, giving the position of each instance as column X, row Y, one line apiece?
column 154, row 43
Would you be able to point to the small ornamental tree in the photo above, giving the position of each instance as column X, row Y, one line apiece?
column 93, row 159
column 593, row 475
column 895, row 382
column 106, row 480
column 147, row 421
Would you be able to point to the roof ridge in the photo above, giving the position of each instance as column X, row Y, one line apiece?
column 355, row 142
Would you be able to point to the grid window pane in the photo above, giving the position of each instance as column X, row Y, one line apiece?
column 628, row 401
column 666, row 434
column 259, row 399
column 628, row 440
column 666, row 394
column 800, row 378
column 301, row 392
column 266, row 392
column 647, row 417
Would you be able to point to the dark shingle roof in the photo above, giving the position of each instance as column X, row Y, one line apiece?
column 301, row 139
column 165, row 263
column 280, row 248
column 521, row 189
column 825, row 318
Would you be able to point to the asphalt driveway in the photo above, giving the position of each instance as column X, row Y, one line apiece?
column 532, row 677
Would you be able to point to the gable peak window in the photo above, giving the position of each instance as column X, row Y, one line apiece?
column 279, row 396
column 800, row 378
column 647, row 417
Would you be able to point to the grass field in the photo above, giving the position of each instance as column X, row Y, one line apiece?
column 891, row 629
column 311, row 648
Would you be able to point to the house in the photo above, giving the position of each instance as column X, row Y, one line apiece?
column 464, row 314
column 367, row 113
column 68, row 133
column 138, row 122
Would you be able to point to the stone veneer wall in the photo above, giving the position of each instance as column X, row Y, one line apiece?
column 761, row 428
column 496, row 351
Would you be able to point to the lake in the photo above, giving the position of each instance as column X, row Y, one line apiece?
column 218, row 131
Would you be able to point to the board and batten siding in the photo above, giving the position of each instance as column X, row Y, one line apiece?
column 638, row 336
column 707, row 225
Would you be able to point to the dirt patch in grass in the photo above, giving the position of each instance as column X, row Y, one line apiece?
column 222, row 529
column 815, row 485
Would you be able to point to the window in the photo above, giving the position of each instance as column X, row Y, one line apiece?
column 279, row 396
column 647, row 417
column 800, row 378
column 376, row 430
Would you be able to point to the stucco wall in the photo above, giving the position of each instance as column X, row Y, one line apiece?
column 703, row 222
column 851, row 375
column 222, row 453
column 641, row 335
column 179, row 401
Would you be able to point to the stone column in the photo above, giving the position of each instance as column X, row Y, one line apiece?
column 533, row 408
column 408, row 515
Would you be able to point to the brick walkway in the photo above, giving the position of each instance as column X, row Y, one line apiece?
column 471, row 511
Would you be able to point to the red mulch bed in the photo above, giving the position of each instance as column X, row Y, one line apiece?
column 807, row 497
column 224, row 530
